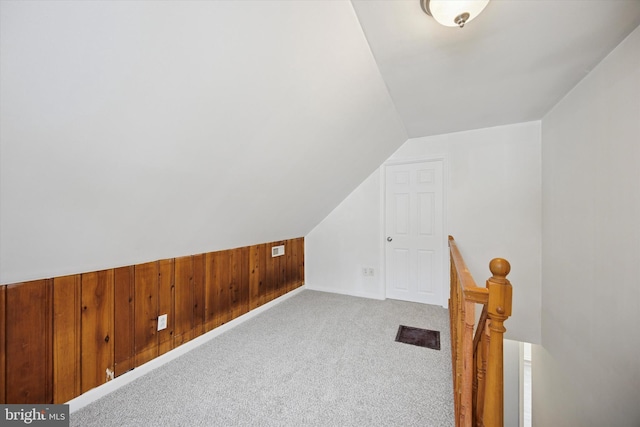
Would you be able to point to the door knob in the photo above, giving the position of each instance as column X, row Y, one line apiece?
column 389, row 239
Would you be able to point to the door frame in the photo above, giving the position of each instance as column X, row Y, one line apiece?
column 383, row 217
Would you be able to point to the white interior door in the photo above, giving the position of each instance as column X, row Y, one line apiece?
column 414, row 227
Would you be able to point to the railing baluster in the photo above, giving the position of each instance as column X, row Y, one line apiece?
column 467, row 364
column 483, row 354
column 480, row 367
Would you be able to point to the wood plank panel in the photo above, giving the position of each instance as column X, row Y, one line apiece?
column 224, row 286
column 271, row 274
column 97, row 329
column 239, row 282
column 254, row 282
column 184, row 305
column 273, row 271
column 258, row 271
column 262, row 267
column 166, row 302
column 199, row 263
column 146, row 312
column 234, row 283
column 283, row 271
column 301, row 260
column 29, row 342
column 296, row 263
column 244, row 280
column 124, row 320
column 217, row 289
column 66, row 338
column 290, row 276
column 280, row 267
column 210, row 289
column 3, row 352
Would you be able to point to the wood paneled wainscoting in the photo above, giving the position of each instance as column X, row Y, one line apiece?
column 63, row 336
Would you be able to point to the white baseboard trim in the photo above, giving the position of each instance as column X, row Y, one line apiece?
column 343, row 292
column 124, row 379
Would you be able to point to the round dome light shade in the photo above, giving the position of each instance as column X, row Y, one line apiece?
column 451, row 13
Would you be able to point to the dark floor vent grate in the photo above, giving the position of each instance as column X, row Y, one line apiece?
column 420, row 337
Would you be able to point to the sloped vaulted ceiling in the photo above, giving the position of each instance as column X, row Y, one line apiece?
column 133, row 131
column 511, row 64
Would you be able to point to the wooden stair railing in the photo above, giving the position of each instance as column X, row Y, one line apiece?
column 477, row 361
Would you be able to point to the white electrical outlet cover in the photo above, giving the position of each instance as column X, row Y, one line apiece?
column 162, row 322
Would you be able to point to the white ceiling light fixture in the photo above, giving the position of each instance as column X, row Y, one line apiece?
column 453, row 13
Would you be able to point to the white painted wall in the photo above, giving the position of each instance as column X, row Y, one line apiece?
column 135, row 131
column 492, row 209
column 512, row 382
column 587, row 371
column 346, row 241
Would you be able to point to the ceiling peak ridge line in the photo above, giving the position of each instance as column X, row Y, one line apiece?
column 453, row 13
column 392, row 101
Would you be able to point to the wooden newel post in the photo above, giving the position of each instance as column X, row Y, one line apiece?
column 498, row 310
